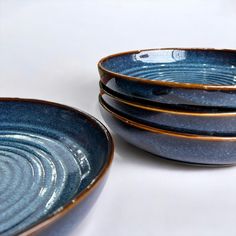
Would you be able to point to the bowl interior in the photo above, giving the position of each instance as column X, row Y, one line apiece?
column 49, row 154
column 195, row 66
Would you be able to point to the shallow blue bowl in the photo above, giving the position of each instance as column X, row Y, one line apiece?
column 206, row 123
column 173, row 77
column 51, row 158
column 188, row 148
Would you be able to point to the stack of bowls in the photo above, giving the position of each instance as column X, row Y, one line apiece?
column 179, row 104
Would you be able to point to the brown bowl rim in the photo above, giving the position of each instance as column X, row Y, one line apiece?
column 168, row 111
column 165, row 83
column 83, row 194
column 163, row 131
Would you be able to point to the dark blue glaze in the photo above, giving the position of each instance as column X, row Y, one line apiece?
column 74, row 219
column 49, row 155
column 188, row 122
column 185, row 148
column 173, row 76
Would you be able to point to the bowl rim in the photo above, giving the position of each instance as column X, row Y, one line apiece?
column 165, row 83
column 168, row 111
column 155, row 130
column 94, row 183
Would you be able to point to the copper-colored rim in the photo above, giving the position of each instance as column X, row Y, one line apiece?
column 168, row 111
column 165, row 83
column 162, row 131
column 81, row 196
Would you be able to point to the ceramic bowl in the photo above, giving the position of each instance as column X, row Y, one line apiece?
column 52, row 157
column 189, row 148
column 206, row 123
column 174, row 77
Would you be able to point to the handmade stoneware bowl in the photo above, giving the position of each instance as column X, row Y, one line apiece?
column 207, row 123
column 189, row 148
column 52, row 158
column 174, row 77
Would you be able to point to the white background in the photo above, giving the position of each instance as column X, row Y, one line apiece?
column 49, row 50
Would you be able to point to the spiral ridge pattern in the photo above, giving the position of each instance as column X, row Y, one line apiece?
column 36, row 172
column 186, row 73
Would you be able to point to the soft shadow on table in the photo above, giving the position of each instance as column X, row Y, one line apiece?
column 127, row 153
column 136, row 156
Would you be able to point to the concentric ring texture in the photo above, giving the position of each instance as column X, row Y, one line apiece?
column 185, row 66
column 47, row 157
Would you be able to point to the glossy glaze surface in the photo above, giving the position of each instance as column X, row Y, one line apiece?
column 49, row 155
column 172, row 145
column 177, row 65
column 223, row 124
column 201, row 77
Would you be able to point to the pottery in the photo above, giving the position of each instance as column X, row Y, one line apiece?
column 189, row 148
column 175, row 77
column 51, row 158
column 207, row 123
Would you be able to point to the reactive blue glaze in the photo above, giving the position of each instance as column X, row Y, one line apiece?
column 189, row 122
column 74, row 219
column 49, row 154
column 153, row 68
column 185, row 148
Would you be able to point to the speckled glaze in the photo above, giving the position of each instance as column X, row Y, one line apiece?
column 51, row 157
column 176, row 77
column 196, row 149
column 222, row 124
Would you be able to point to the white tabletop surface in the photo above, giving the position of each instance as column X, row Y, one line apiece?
column 49, row 50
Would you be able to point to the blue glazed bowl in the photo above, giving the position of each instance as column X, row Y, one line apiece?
column 52, row 157
column 174, row 77
column 211, row 123
column 190, row 148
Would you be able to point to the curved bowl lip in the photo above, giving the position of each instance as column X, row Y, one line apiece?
column 94, row 183
column 168, row 111
column 162, row 131
column 165, row 83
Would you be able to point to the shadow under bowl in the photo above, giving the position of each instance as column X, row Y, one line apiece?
column 211, row 123
column 175, row 76
column 190, row 148
column 52, row 158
